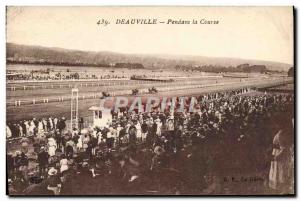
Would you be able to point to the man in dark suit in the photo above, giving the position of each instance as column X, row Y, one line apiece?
column 43, row 157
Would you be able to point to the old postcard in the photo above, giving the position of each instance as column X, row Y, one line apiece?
column 150, row 101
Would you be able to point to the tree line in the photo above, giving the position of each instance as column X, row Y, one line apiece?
column 246, row 68
column 116, row 65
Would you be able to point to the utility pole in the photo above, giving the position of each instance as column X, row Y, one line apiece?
column 74, row 109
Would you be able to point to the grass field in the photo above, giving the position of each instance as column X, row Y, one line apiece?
column 28, row 99
column 15, row 113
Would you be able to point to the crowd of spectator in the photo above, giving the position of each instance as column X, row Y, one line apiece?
column 26, row 128
column 161, row 152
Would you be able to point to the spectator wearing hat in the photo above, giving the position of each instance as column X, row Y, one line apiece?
column 24, row 165
column 85, row 172
column 32, row 126
column 10, row 164
column 132, row 135
column 123, row 136
column 109, row 140
column 113, row 132
column 17, row 161
column 55, row 122
column 54, row 183
column 40, row 127
column 43, row 160
column 44, row 121
column 159, row 160
column 61, row 125
column 81, row 123
column 58, row 138
column 15, row 130
column 34, row 187
column 170, row 123
column 85, row 139
column 24, row 143
column 64, row 139
column 8, row 132
column 158, row 127
column 138, row 131
column 79, row 144
column 93, row 143
column 50, row 123
column 52, row 146
column 118, row 129
column 144, row 129
column 69, row 150
column 215, row 145
column 63, row 164
column 11, row 189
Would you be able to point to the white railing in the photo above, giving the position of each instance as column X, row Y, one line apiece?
column 165, row 87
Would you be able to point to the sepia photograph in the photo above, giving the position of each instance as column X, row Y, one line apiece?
column 150, row 100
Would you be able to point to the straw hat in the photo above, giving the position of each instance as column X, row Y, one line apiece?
column 158, row 150
column 85, row 164
column 52, row 171
column 9, row 181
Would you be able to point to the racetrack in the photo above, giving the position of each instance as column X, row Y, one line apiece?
column 90, row 96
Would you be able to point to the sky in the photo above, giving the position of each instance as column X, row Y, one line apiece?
column 260, row 33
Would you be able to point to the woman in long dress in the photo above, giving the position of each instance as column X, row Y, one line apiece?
column 40, row 127
column 138, row 132
column 31, row 128
column 279, row 171
column 8, row 132
column 51, row 146
column 159, row 125
column 63, row 164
